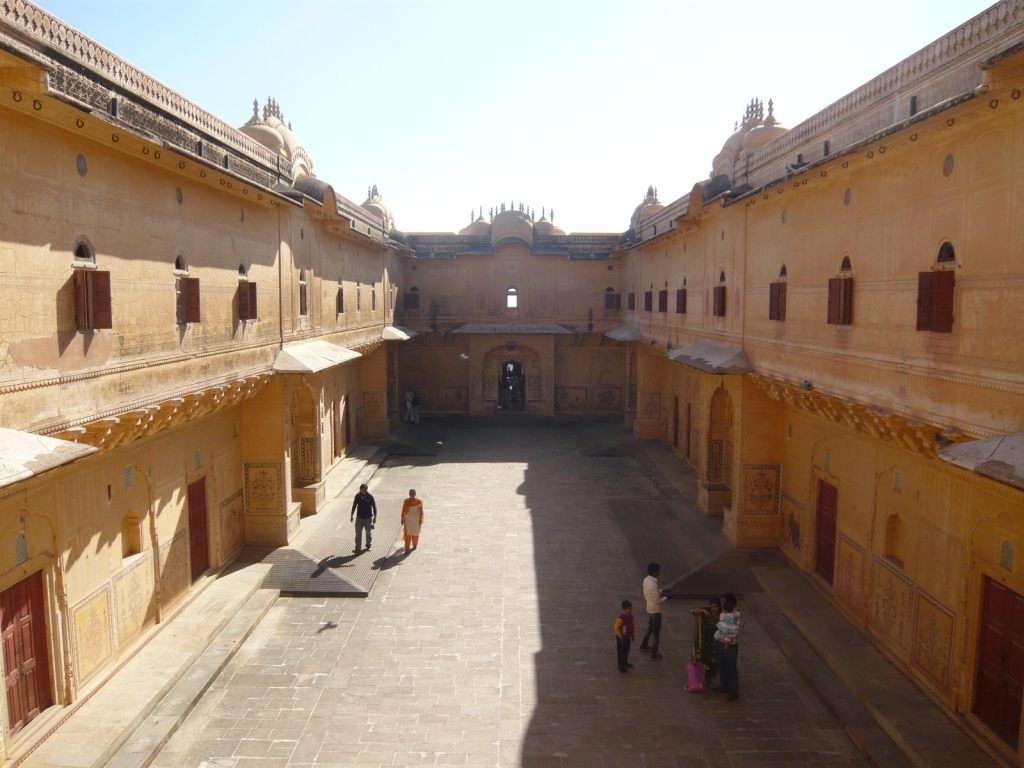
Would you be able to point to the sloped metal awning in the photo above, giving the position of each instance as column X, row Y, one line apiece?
column 713, row 358
column 397, row 333
column 513, row 329
column 24, row 455
column 312, row 357
column 997, row 458
column 625, row 333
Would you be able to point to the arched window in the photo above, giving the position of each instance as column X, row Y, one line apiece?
column 946, row 253
column 303, row 295
column 721, row 277
column 179, row 264
column 783, row 274
column 412, row 299
column 83, row 252
column 845, row 266
column 242, row 272
column 512, row 298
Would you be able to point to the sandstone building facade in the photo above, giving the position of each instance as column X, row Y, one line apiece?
column 194, row 328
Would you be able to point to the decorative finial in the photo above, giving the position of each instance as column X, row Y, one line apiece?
column 543, row 212
column 289, row 125
column 256, row 108
column 552, row 215
column 491, row 213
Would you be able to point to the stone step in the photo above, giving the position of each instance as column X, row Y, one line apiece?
column 103, row 723
column 151, row 735
column 917, row 725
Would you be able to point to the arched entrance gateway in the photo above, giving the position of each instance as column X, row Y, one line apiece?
column 511, row 377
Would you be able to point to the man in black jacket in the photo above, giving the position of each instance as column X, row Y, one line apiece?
column 366, row 507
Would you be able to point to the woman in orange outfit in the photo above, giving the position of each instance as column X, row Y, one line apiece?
column 412, row 519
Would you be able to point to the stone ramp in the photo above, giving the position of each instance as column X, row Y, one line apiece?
column 922, row 731
column 103, row 723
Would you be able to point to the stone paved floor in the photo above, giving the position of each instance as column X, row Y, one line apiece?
column 492, row 644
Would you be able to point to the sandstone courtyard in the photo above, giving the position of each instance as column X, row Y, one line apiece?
column 492, row 644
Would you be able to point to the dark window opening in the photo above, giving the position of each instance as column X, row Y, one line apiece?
column 681, row 301
column 412, row 298
column 946, row 253
column 631, row 302
column 648, row 301
column 340, row 300
column 663, row 301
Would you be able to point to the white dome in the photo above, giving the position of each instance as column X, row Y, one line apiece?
column 272, row 132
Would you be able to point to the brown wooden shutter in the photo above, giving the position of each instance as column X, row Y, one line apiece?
column 180, row 311
column 100, row 314
column 782, row 302
column 943, row 312
column 340, row 302
column 925, row 300
column 609, row 300
column 846, row 302
column 663, row 301
column 719, row 301
column 631, row 301
column 243, row 300
column 681, row 301
column 834, row 290
column 618, row 301
column 81, row 299
column 773, row 301
column 648, row 301
column 254, row 313
column 190, row 286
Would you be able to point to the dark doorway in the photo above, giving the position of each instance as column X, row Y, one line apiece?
column 512, row 387
column 198, row 528
column 22, row 617
column 997, row 698
column 675, row 423
column 689, row 427
column 825, row 550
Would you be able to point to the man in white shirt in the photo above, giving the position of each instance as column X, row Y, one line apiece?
column 656, row 598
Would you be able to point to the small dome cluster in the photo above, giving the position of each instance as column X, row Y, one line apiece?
column 375, row 205
column 520, row 224
column 648, row 207
column 754, row 132
column 272, row 132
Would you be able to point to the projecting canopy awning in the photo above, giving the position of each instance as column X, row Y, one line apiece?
column 24, row 455
column 713, row 358
column 312, row 357
column 512, row 329
column 998, row 458
column 397, row 333
column 625, row 333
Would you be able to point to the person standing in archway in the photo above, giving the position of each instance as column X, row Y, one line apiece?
column 412, row 519
column 416, row 401
column 408, row 404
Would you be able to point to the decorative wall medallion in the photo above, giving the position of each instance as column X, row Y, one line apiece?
column 263, row 488
column 892, row 595
column 650, row 406
column 761, row 488
column 934, row 627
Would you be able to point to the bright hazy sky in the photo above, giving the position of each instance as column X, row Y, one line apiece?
column 576, row 106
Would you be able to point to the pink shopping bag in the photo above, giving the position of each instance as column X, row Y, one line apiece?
column 695, row 678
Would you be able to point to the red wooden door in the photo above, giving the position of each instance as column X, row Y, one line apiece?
column 997, row 699
column 23, row 622
column 675, row 423
column 825, row 549
column 198, row 528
